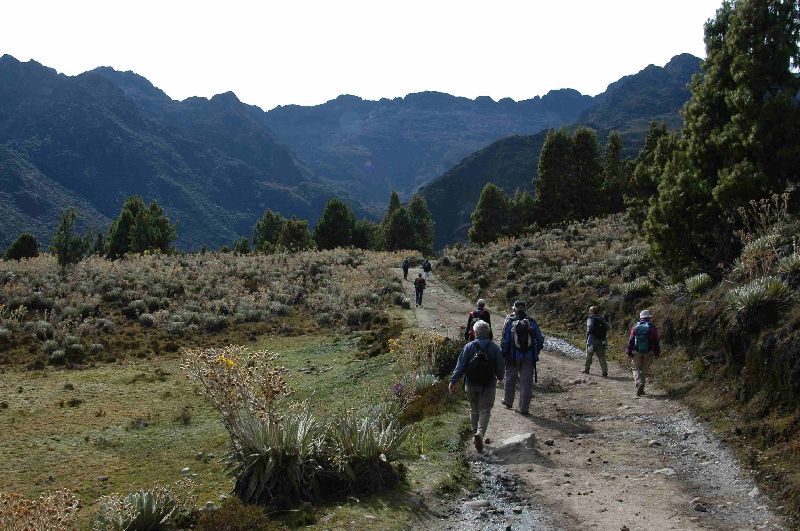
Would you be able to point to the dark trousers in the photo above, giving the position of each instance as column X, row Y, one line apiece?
column 405, row 273
column 419, row 297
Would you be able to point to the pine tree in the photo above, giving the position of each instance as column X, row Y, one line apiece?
column 422, row 223
column 399, row 231
column 267, row 230
column 587, row 177
column 335, row 227
column 523, row 211
column 367, row 235
column 489, row 219
column 740, row 138
column 139, row 228
column 68, row 246
column 553, row 189
column 25, row 246
column 241, row 246
column 614, row 173
column 294, row 236
column 394, row 204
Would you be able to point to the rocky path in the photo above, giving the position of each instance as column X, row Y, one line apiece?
column 591, row 456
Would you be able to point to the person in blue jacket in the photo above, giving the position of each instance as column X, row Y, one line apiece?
column 482, row 365
column 522, row 341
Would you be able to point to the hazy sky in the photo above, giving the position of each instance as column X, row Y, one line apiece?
column 307, row 52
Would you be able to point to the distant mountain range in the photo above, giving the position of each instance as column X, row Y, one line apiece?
column 628, row 106
column 93, row 139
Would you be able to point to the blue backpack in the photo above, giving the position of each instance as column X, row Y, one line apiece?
column 641, row 334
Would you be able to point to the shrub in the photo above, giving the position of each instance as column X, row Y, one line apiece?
column 57, row 357
column 96, row 348
column 5, row 335
column 75, row 352
column 422, row 382
column 43, row 330
column 52, row 511
column 144, row 510
column 232, row 515
column 789, row 269
column 698, row 283
column 147, row 320
column 25, row 246
column 760, row 292
column 640, row 287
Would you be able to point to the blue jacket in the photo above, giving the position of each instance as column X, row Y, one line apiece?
column 507, row 345
column 469, row 351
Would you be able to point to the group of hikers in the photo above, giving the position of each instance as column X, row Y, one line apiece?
column 484, row 364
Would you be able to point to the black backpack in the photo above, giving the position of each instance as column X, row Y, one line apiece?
column 599, row 328
column 521, row 335
column 480, row 369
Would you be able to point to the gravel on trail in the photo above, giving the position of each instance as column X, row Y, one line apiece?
column 591, row 455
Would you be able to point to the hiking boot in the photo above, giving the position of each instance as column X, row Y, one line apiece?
column 525, row 413
column 507, row 406
column 478, row 440
column 487, row 440
column 639, row 390
column 605, row 375
column 585, row 371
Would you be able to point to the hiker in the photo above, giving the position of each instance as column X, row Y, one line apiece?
column 596, row 331
column 419, row 287
column 406, row 265
column 480, row 313
column 522, row 341
column 427, row 268
column 643, row 345
column 482, row 365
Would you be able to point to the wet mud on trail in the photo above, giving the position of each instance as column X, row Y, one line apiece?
column 591, row 455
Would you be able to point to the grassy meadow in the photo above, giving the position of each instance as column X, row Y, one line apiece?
column 99, row 421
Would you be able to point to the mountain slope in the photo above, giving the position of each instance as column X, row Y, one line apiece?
column 403, row 143
column 104, row 135
column 655, row 93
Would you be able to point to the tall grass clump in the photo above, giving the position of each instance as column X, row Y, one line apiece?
column 758, row 293
column 641, row 287
column 698, row 283
column 143, row 510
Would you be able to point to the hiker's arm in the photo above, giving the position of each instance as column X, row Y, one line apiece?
column 537, row 333
column 500, row 365
column 469, row 326
column 589, row 330
column 461, row 365
column 631, row 341
column 505, row 341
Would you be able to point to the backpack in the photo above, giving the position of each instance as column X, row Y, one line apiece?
column 521, row 334
column 480, row 369
column 641, row 335
column 599, row 328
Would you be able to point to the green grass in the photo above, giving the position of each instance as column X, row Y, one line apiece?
column 123, row 425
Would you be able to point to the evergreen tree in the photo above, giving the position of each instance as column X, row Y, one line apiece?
column 523, row 211
column 139, row 228
column 335, row 227
column 394, row 204
column 267, row 230
column 399, row 231
column 294, row 236
column 646, row 172
column 241, row 246
column 554, row 191
column 740, row 138
column 422, row 223
column 68, row 246
column 614, row 173
column 25, row 246
column 489, row 219
column 587, row 176
column 367, row 235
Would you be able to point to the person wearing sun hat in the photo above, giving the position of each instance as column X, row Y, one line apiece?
column 480, row 313
column 643, row 346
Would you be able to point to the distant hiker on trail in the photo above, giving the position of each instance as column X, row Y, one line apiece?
column 427, row 268
column 643, row 345
column 596, row 331
column 480, row 313
column 406, row 265
column 522, row 341
column 482, row 365
column 419, row 287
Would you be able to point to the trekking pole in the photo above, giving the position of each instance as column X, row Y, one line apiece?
column 535, row 374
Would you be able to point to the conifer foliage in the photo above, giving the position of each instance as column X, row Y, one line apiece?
column 25, row 246
column 139, row 228
column 739, row 142
column 489, row 220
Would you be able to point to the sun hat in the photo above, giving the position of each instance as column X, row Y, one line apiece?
column 481, row 303
column 645, row 314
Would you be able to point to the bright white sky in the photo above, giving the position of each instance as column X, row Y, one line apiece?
column 310, row 51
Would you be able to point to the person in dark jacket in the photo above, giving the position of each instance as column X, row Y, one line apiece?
column 480, row 313
column 406, row 265
column 520, row 361
column 419, row 287
column 427, row 268
column 596, row 331
column 481, row 395
column 643, row 346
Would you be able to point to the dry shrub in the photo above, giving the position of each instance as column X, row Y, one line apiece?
column 52, row 511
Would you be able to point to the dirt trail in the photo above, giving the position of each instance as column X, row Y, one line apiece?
column 591, row 456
